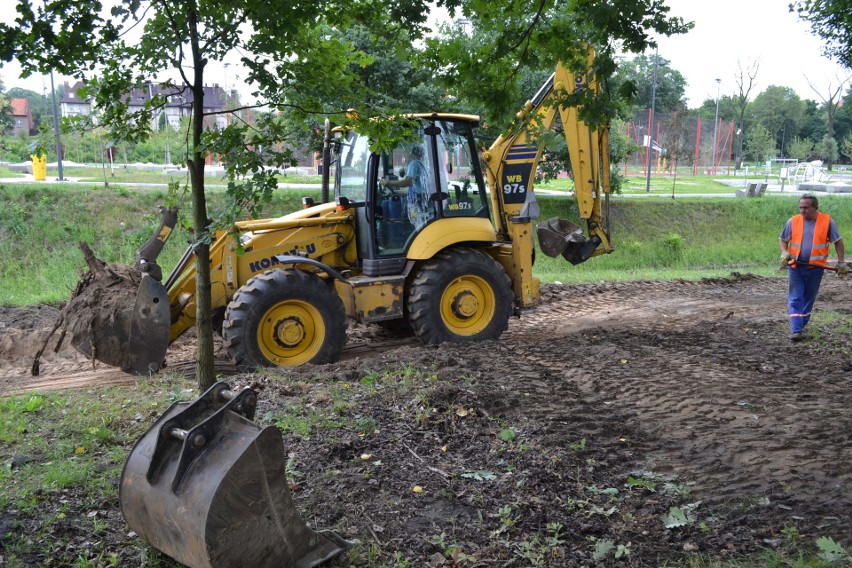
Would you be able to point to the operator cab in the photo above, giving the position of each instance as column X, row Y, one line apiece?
column 434, row 174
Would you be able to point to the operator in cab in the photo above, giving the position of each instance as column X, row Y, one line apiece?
column 416, row 182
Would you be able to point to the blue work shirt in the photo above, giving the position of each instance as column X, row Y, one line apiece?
column 420, row 179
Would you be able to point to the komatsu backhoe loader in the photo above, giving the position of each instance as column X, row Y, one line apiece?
column 414, row 235
column 456, row 273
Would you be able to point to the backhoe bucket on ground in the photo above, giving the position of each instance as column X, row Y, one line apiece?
column 207, row 486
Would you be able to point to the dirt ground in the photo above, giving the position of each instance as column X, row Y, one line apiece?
column 624, row 400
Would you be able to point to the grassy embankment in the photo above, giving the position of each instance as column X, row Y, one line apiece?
column 655, row 237
column 674, row 233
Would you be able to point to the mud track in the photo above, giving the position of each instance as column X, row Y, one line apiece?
column 699, row 377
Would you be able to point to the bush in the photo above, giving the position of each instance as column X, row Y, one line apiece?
column 17, row 148
column 673, row 242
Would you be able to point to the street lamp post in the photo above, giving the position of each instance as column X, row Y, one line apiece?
column 716, row 125
column 649, row 152
column 56, row 129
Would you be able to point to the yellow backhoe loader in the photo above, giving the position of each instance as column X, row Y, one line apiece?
column 414, row 235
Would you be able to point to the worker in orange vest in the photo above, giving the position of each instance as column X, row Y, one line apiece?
column 805, row 243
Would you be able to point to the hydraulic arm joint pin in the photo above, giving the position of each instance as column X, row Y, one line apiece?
column 178, row 433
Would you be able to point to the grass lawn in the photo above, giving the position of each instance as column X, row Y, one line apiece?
column 662, row 185
column 129, row 176
column 7, row 173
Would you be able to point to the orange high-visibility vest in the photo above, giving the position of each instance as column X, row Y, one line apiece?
column 820, row 243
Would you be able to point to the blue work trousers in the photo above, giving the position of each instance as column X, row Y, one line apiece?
column 802, row 288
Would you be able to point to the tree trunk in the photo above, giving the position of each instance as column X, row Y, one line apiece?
column 740, row 136
column 204, row 361
column 830, row 108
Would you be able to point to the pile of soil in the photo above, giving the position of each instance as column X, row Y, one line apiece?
column 618, row 424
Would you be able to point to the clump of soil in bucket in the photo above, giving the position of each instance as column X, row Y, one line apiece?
column 97, row 317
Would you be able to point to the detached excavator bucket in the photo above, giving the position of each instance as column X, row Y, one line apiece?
column 207, row 486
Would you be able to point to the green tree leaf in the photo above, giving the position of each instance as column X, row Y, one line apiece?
column 831, row 551
column 676, row 517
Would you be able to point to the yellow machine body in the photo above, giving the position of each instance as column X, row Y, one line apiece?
column 430, row 233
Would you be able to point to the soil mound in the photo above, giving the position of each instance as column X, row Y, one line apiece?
column 97, row 318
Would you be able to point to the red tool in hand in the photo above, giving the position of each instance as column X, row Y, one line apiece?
column 809, row 265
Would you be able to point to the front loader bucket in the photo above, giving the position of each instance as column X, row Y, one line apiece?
column 149, row 328
column 207, row 486
column 135, row 338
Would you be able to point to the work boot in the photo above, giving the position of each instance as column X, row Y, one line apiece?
column 797, row 336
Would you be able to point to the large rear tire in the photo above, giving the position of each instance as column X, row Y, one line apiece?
column 284, row 318
column 461, row 295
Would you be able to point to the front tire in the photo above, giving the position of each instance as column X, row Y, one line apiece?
column 461, row 295
column 284, row 318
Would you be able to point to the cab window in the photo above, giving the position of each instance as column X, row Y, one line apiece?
column 458, row 167
column 351, row 180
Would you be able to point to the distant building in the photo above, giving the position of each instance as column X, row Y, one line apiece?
column 178, row 106
column 71, row 104
column 179, row 103
column 22, row 116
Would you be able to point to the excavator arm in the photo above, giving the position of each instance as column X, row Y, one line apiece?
column 511, row 163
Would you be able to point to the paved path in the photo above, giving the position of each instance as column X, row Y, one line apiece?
column 771, row 190
column 28, row 178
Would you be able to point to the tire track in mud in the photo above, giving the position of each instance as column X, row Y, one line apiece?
column 736, row 430
column 706, row 379
column 569, row 309
column 584, row 306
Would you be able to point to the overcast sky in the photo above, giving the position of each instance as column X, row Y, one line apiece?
column 726, row 31
column 730, row 30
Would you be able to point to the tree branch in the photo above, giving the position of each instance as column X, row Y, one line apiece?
column 525, row 37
